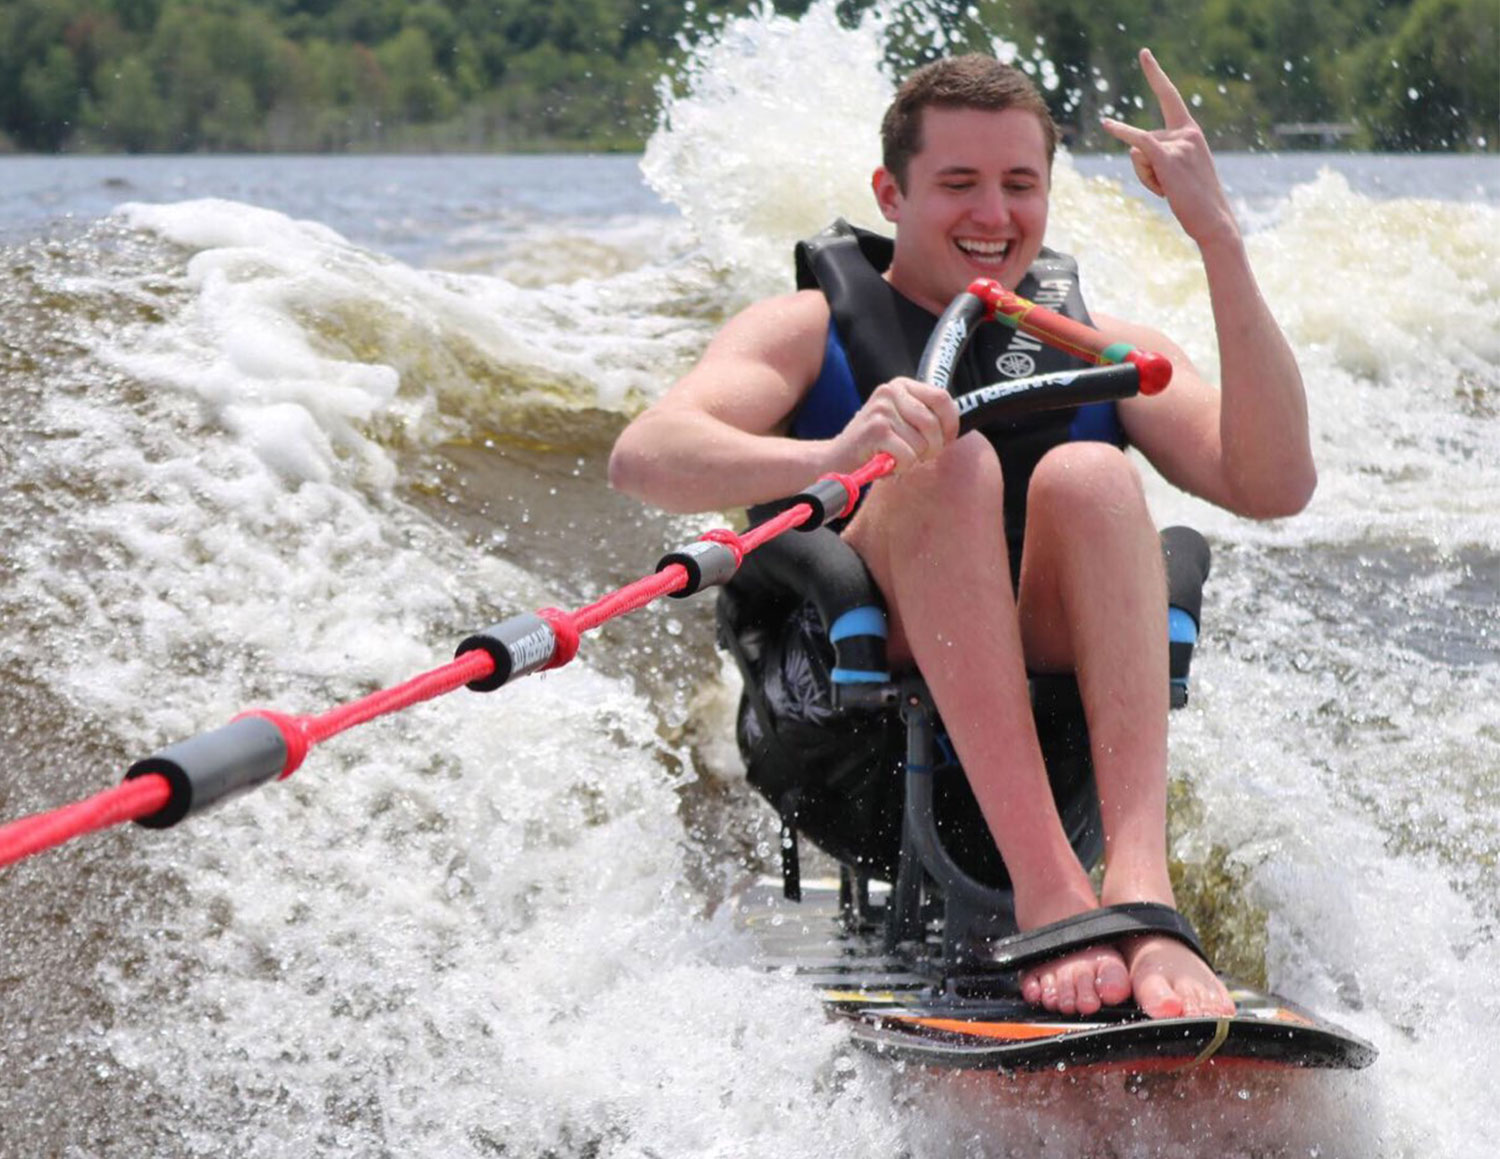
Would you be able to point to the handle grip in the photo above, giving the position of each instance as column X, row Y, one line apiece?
column 1005, row 401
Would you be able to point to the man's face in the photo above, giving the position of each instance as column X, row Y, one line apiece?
column 975, row 203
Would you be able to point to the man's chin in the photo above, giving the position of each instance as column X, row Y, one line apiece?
column 1004, row 273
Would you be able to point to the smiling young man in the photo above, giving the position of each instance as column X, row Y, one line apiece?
column 805, row 384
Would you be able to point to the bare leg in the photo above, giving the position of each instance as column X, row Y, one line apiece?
column 1093, row 601
column 934, row 540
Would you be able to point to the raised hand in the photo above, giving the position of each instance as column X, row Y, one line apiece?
column 1174, row 162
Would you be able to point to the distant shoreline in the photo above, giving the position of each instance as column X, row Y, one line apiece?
column 146, row 76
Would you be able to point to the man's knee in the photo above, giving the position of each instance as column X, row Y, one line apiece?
column 1081, row 481
column 941, row 504
column 965, row 480
column 964, row 483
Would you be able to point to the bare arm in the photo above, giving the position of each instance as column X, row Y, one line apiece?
column 1245, row 446
column 717, row 438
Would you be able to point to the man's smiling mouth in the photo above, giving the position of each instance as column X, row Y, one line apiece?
column 984, row 251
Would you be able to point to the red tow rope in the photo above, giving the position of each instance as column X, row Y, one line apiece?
column 127, row 802
column 261, row 745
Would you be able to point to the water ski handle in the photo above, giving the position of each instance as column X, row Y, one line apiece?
column 986, row 299
column 949, row 337
column 1005, row 401
column 1121, row 370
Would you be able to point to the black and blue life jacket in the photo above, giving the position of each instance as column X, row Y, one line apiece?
column 875, row 334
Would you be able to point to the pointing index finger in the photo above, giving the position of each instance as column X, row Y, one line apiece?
column 1125, row 134
column 1174, row 109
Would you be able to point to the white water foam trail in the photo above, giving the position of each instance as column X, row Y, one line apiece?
column 313, row 350
column 460, row 931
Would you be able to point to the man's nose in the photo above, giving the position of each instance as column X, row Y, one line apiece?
column 991, row 207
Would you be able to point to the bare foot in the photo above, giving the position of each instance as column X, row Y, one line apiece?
column 1170, row 981
column 1084, row 980
column 1079, row 983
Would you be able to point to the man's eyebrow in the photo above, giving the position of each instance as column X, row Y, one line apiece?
column 971, row 170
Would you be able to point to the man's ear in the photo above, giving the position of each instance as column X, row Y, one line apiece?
column 888, row 195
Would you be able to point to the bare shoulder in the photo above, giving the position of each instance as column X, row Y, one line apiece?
column 757, row 368
column 786, row 332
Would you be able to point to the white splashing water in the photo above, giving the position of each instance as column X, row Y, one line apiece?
column 762, row 143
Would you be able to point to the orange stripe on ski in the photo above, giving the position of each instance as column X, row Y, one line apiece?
column 1011, row 1031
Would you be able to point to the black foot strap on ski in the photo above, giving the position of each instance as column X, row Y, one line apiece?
column 1093, row 928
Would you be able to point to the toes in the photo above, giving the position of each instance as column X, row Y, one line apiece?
column 1155, row 996
column 1080, row 984
column 1067, row 991
column 1112, row 981
column 1197, row 1000
column 1087, row 989
column 1203, row 1001
column 1173, row 982
column 1042, row 989
column 1047, row 990
column 1165, row 978
column 1215, row 1002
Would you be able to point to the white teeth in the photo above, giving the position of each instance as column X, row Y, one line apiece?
column 985, row 249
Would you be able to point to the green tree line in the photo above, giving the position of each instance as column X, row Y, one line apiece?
column 326, row 75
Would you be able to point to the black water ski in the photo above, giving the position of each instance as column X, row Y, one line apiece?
column 901, row 1007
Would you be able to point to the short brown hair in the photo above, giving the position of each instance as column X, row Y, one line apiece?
column 973, row 81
